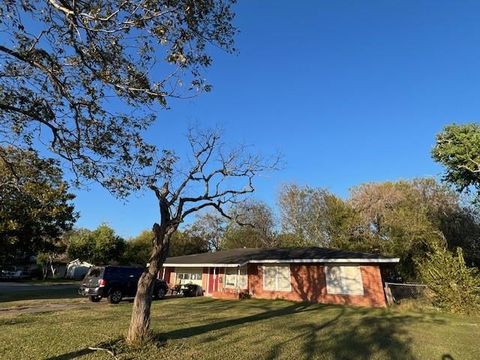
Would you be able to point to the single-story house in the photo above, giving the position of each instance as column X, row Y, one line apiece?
column 313, row 274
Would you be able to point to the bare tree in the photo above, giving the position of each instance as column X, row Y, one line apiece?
column 211, row 226
column 254, row 227
column 215, row 179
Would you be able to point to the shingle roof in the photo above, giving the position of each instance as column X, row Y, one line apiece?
column 237, row 257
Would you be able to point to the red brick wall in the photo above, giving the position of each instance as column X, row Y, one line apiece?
column 309, row 284
column 167, row 274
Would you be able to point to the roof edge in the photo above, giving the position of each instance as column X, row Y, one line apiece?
column 291, row 261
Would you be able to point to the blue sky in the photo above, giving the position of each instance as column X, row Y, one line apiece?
column 348, row 91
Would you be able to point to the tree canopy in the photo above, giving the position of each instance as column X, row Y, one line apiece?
column 402, row 219
column 100, row 246
column 138, row 249
column 252, row 225
column 67, row 65
column 35, row 203
column 458, row 149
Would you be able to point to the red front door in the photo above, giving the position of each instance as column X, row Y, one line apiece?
column 213, row 280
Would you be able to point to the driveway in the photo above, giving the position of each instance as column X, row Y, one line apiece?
column 13, row 287
column 24, row 297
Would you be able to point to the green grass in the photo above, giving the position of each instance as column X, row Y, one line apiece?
column 203, row 328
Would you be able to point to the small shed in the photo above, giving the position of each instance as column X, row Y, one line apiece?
column 77, row 269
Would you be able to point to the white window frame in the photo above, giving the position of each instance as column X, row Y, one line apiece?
column 184, row 276
column 277, row 273
column 344, row 284
column 236, row 273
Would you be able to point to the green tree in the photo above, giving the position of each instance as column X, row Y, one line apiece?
column 35, row 204
column 316, row 217
column 80, row 244
column 108, row 245
column 138, row 249
column 187, row 243
column 67, row 68
column 452, row 285
column 101, row 246
column 406, row 218
column 457, row 148
column 304, row 215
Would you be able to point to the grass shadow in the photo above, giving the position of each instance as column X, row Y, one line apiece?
column 224, row 324
column 369, row 336
column 39, row 293
column 116, row 345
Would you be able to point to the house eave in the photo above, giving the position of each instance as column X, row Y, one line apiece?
column 290, row 261
column 302, row 261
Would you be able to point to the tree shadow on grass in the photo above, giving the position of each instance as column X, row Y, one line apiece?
column 350, row 333
column 202, row 329
column 361, row 338
column 110, row 345
column 39, row 293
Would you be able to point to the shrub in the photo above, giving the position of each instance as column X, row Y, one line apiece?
column 244, row 295
column 452, row 285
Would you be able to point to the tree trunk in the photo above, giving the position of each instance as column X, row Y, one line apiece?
column 140, row 323
column 139, row 329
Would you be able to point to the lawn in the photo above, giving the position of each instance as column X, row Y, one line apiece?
column 203, row 328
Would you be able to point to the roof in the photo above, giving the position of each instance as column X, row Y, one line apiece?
column 239, row 257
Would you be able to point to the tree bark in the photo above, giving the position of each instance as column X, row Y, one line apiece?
column 139, row 329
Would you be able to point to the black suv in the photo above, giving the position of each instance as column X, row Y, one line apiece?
column 115, row 283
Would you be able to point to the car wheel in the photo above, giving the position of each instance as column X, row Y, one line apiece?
column 95, row 298
column 115, row 297
column 160, row 293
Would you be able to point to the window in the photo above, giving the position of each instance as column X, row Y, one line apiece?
column 188, row 276
column 344, row 280
column 236, row 277
column 94, row 272
column 276, row 278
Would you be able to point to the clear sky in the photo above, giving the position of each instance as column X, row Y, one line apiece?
column 348, row 91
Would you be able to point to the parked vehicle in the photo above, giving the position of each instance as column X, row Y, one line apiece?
column 192, row 290
column 13, row 273
column 116, row 283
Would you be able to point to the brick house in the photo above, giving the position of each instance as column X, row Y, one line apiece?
column 329, row 276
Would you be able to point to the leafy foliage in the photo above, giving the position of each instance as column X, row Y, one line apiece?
column 458, row 149
column 101, row 246
column 35, row 205
column 453, row 286
column 401, row 219
column 405, row 218
column 138, row 249
column 304, row 214
column 186, row 243
column 66, row 66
